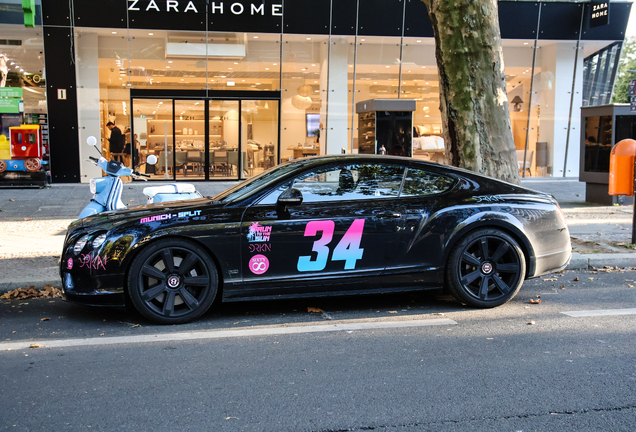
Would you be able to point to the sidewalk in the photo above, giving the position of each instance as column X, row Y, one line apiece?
column 33, row 225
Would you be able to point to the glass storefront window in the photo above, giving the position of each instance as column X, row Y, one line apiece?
column 166, row 60
column 420, row 81
column 550, row 110
column 598, row 143
column 223, row 127
column 244, row 61
column 259, row 136
column 152, row 126
column 518, row 56
column 22, row 79
column 189, row 136
column 305, row 80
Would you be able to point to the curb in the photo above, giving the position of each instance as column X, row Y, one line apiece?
column 589, row 261
column 38, row 283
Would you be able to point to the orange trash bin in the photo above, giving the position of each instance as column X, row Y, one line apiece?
column 621, row 178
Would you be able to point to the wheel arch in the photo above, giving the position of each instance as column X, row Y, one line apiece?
column 505, row 225
column 141, row 245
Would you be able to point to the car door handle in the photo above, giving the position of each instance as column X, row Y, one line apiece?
column 388, row 214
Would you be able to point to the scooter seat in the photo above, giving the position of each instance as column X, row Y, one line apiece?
column 174, row 188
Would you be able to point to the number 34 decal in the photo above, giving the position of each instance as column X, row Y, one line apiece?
column 347, row 250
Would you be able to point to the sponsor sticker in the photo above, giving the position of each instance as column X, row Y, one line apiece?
column 259, row 233
column 69, row 264
column 259, row 264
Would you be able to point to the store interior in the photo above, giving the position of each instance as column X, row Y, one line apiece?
column 317, row 114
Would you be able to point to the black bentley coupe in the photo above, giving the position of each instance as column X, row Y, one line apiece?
column 333, row 225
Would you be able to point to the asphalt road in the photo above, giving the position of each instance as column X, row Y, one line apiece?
column 410, row 362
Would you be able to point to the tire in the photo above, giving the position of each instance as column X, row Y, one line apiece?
column 3, row 165
column 172, row 281
column 485, row 269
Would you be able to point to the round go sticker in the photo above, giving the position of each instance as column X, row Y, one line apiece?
column 259, row 264
column 69, row 263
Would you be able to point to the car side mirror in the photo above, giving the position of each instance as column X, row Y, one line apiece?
column 291, row 197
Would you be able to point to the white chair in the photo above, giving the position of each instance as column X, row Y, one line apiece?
column 529, row 156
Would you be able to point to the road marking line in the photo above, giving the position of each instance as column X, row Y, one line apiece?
column 601, row 312
column 218, row 334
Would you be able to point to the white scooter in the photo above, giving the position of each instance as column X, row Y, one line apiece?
column 107, row 190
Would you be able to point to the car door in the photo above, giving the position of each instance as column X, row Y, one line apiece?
column 346, row 228
column 420, row 248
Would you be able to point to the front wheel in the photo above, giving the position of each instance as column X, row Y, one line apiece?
column 172, row 281
column 486, row 268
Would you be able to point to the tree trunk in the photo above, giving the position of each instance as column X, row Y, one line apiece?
column 472, row 86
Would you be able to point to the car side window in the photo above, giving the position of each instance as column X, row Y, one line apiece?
column 346, row 182
column 272, row 197
column 421, row 183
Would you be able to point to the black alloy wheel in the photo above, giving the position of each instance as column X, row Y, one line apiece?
column 486, row 268
column 172, row 281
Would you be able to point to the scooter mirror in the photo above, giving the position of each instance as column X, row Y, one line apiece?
column 91, row 141
column 151, row 160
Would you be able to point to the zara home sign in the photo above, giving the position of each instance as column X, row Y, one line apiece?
column 600, row 13
column 216, row 7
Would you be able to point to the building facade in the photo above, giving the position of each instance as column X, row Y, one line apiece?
column 227, row 89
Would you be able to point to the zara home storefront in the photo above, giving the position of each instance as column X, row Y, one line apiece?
column 227, row 89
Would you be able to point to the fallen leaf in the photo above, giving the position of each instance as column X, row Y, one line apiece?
column 531, row 323
column 590, row 278
column 438, row 313
column 136, row 325
column 562, row 287
column 533, row 301
column 550, row 280
column 36, row 345
column 576, row 279
column 314, row 309
column 392, row 311
column 32, row 292
column 11, row 199
column 630, row 285
column 45, row 319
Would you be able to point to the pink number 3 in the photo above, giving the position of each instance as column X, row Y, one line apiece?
column 347, row 250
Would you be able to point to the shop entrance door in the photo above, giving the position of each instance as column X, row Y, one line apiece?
column 206, row 138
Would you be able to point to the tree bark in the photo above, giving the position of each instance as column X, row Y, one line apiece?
column 472, row 85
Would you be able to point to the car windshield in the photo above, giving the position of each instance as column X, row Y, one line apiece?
column 255, row 184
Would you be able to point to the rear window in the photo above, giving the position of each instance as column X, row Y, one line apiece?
column 422, row 183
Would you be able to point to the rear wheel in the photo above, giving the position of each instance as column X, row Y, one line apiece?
column 486, row 268
column 3, row 165
column 172, row 281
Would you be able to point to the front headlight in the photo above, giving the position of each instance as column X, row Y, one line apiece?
column 79, row 245
column 99, row 240
column 93, row 186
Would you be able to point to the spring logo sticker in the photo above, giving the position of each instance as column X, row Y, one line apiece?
column 259, row 264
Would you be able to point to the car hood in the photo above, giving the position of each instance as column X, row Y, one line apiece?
column 108, row 220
